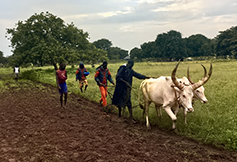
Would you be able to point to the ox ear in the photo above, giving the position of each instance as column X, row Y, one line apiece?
column 176, row 88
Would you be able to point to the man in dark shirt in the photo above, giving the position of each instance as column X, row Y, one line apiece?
column 122, row 92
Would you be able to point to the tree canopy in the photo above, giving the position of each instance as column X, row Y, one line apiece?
column 103, row 44
column 46, row 39
column 3, row 60
column 227, row 43
column 196, row 45
column 171, row 46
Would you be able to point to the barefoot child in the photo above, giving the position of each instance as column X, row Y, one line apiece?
column 81, row 74
column 61, row 77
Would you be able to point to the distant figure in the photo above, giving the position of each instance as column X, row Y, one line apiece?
column 61, row 77
column 16, row 71
column 101, row 76
column 81, row 74
column 122, row 92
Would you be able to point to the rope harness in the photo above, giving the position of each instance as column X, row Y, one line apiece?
column 177, row 97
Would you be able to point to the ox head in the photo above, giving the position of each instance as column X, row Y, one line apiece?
column 199, row 92
column 187, row 91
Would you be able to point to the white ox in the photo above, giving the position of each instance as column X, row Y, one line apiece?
column 198, row 93
column 171, row 93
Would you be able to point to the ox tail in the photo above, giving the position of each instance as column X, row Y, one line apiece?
column 139, row 93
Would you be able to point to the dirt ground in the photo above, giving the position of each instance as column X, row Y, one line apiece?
column 34, row 128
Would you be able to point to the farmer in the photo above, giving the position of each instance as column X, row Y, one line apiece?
column 122, row 92
column 61, row 77
column 81, row 74
column 16, row 71
column 101, row 76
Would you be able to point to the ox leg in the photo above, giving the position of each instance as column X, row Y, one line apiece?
column 185, row 114
column 146, row 111
column 158, row 111
column 172, row 116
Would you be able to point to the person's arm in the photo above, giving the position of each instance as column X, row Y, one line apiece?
column 97, row 77
column 66, row 75
column 77, row 75
column 110, row 78
column 139, row 76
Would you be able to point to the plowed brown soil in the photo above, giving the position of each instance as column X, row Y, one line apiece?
column 34, row 128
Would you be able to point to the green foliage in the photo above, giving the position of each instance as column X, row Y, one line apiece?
column 117, row 53
column 198, row 45
column 171, row 46
column 114, row 53
column 32, row 75
column 136, row 54
column 103, row 44
column 46, row 39
column 227, row 42
column 167, row 46
column 3, row 60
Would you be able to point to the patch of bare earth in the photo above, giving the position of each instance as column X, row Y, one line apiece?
column 33, row 127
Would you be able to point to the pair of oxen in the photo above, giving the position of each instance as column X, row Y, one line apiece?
column 172, row 93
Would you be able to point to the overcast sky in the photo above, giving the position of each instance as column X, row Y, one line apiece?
column 126, row 23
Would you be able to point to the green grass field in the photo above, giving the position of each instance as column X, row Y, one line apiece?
column 212, row 123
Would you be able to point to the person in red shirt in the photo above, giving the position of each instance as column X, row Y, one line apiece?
column 101, row 76
column 61, row 77
column 81, row 74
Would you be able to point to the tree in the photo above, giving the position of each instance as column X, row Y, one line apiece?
column 147, row 49
column 45, row 38
column 117, row 53
column 3, row 60
column 198, row 45
column 93, row 55
column 170, row 46
column 136, row 53
column 227, row 42
column 103, row 44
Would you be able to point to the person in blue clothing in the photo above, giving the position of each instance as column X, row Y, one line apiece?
column 81, row 74
column 122, row 92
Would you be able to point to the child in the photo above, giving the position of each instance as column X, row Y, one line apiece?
column 101, row 76
column 81, row 74
column 61, row 77
column 16, row 71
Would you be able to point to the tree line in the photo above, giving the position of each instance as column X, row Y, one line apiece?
column 171, row 46
column 46, row 39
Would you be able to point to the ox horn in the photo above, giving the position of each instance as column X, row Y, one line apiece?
column 189, row 79
column 204, row 79
column 174, row 79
